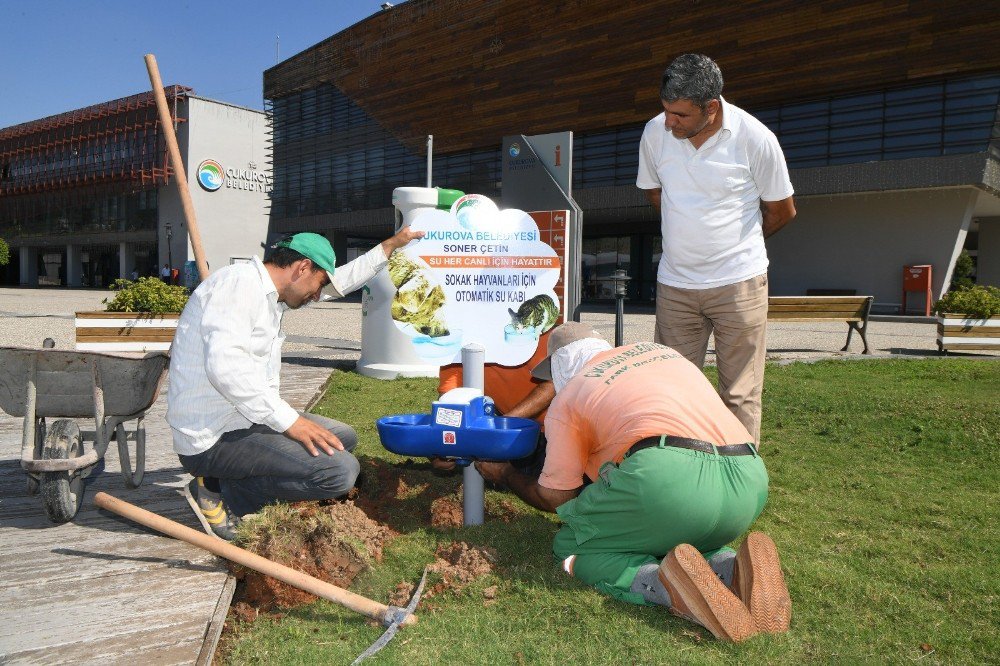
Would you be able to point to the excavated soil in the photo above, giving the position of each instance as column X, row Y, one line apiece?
column 331, row 541
column 335, row 541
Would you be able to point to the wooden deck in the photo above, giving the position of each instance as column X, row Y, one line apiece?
column 101, row 589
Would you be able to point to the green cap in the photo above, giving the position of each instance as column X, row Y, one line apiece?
column 447, row 197
column 313, row 247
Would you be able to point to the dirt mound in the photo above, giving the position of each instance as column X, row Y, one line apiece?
column 447, row 512
column 332, row 541
column 457, row 565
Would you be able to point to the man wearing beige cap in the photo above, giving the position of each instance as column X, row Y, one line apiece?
column 674, row 477
column 245, row 446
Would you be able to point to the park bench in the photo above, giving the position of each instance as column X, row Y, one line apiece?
column 853, row 310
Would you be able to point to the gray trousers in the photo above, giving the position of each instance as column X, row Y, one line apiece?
column 258, row 466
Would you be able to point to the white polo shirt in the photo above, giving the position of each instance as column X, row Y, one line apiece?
column 710, row 199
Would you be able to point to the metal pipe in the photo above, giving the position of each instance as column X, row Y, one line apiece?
column 621, row 288
column 473, row 486
column 430, row 158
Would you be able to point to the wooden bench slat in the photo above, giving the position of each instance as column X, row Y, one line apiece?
column 792, row 317
column 817, row 307
column 806, row 300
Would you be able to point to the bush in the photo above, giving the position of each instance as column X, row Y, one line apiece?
column 4, row 253
column 961, row 277
column 148, row 294
column 978, row 302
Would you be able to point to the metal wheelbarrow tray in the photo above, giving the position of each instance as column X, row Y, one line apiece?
column 112, row 389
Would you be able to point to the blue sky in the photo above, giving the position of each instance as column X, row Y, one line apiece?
column 59, row 55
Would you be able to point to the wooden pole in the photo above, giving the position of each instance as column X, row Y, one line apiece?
column 338, row 595
column 167, row 124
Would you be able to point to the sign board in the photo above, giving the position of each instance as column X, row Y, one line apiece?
column 538, row 177
column 488, row 279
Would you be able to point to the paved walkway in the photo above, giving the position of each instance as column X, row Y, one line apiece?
column 103, row 590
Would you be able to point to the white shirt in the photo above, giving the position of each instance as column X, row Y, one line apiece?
column 226, row 356
column 710, row 199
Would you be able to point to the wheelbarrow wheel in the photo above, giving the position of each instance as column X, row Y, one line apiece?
column 39, row 443
column 62, row 492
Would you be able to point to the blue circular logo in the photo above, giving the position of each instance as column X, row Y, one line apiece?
column 515, row 150
column 210, row 175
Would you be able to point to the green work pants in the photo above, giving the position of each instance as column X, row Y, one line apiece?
column 636, row 512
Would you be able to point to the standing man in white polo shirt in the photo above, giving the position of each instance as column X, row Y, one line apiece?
column 718, row 177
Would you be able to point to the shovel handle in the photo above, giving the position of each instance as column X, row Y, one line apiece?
column 315, row 586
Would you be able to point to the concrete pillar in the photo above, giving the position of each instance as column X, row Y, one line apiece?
column 29, row 267
column 988, row 260
column 126, row 260
column 74, row 266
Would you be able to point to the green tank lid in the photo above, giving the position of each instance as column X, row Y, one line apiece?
column 447, row 197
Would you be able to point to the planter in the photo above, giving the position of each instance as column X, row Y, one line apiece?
column 958, row 331
column 125, row 331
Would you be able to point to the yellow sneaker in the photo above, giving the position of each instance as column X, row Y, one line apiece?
column 210, row 510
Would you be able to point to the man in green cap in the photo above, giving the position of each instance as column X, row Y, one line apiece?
column 245, row 446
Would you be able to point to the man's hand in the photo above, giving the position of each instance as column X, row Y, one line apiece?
column 495, row 472
column 401, row 239
column 443, row 464
column 525, row 487
column 313, row 437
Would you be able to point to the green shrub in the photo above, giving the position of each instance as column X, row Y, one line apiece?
column 4, row 253
column 961, row 277
column 979, row 302
column 147, row 294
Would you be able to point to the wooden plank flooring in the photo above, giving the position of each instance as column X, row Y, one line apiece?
column 101, row 589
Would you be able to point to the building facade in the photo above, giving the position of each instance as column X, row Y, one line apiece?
column 88, row 196
column 887, row 113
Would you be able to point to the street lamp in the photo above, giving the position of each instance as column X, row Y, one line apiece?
column 170, row 255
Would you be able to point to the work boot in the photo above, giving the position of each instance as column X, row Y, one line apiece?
column 760, row 585
column 210, row 509
column 698, row 595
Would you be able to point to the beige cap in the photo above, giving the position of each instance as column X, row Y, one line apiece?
column 559, row 337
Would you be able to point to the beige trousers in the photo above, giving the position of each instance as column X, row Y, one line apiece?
column 737, row 314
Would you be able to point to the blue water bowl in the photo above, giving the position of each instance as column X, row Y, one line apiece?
column 521, row 335
column 480, row 438
column 444, row 347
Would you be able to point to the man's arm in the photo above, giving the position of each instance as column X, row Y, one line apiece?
column 776, row 215
column 654, row 197
column 526, row 487
column 536, row 402
column 400, row 239
column 354, row 274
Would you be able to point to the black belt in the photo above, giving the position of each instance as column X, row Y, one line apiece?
column 693, row 444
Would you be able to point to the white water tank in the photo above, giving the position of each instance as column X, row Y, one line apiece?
column 386, row 352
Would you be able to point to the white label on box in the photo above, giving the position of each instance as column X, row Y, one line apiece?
column 449, row 417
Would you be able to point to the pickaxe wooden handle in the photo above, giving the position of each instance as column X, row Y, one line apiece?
column 387, row 615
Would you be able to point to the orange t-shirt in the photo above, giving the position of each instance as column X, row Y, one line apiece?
column 506, row 385
column 624, row 395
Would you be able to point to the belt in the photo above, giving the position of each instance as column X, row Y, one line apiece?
column 693, row 444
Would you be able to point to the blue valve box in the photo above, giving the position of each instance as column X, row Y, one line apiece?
column 462, row 425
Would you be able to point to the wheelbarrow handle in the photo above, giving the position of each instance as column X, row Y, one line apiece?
column 338, row 595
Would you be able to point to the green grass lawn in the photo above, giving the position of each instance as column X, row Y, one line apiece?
column 883, row 502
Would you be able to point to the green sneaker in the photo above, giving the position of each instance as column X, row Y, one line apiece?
column 211, row 510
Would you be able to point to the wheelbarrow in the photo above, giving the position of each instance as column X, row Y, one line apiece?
column 112, row 389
